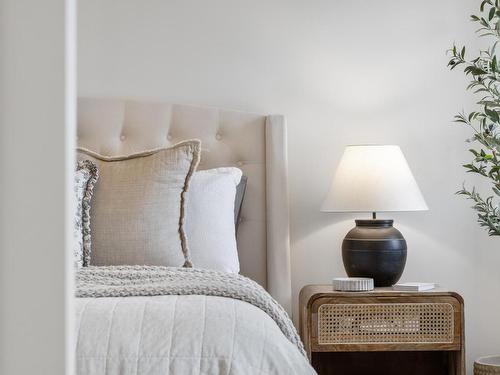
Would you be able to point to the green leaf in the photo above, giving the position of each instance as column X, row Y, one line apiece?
column 491, row 14
column 474, row 70
column 493, row 115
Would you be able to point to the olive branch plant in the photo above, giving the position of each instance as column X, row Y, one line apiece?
column 484, row 73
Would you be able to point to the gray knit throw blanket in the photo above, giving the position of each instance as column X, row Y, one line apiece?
column 126, row 281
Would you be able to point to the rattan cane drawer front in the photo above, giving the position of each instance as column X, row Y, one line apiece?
column 385, row 323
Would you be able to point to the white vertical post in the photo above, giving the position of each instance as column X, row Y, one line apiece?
column 279, row 282
column 37, row 126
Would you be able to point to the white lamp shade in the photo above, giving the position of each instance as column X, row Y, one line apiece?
column 373, row 178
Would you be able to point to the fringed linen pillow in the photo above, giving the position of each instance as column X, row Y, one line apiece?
column 138, row 206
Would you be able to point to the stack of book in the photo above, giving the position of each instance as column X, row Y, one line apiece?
column 414, row 287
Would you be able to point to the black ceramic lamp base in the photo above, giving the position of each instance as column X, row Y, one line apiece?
column 374, row 248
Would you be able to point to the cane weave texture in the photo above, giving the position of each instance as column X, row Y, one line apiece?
column 482, row 369
column 385, row 323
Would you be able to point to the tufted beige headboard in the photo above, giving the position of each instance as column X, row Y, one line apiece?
column 254, row 143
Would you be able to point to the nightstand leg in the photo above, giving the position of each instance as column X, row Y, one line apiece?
column 457, row 363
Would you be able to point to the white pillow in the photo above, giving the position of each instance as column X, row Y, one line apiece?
column 209, row 220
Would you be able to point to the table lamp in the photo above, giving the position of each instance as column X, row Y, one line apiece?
column 374, row 178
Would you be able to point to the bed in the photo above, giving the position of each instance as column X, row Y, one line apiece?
column 199, row 331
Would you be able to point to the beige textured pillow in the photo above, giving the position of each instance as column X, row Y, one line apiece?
column 138, row 206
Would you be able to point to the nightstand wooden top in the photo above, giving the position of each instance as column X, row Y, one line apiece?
column 314, row 291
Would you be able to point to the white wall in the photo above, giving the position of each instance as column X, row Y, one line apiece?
column 342, row 72
column 35, row 144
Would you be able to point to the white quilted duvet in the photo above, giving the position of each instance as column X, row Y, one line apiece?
column 172, row 335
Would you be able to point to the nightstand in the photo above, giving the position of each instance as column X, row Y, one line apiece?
column 383, row 331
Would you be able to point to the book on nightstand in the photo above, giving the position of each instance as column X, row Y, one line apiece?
column 413, row 287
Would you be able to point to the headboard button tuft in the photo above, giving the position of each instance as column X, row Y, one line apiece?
column 169, row 137
column 218, row 136
column 122, row 137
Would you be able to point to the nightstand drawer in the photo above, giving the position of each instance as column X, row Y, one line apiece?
column 407, row 322
column 383, row 323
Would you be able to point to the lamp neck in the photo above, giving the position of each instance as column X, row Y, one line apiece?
column 378, row 223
